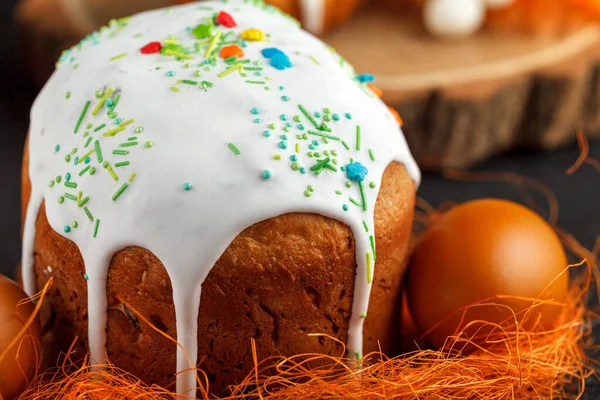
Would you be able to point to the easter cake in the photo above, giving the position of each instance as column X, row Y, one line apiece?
column 213, row 174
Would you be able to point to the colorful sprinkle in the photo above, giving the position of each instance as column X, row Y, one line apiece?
column 151, row 48
column 81, row 116
column 187, row 186
column 356, row 171
column 120, row 191
column 225, row 19
column 233, row 148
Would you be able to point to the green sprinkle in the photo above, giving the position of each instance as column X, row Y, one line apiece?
column 98, row 151
column 357, row 355
column 83, row 201
column 369, row 269
column 82, row 116
column 233, row 148
column 372, row 239
column 99, row 127
column 88, row 142
column 363, row 315
column 348, row 184
column 357, row 137
column 61, row 200
column 102, row 101
column 68, row 95
column 71, row 185
column 338, row 192
column 114, row 105
column 356, row 203
column 148, row 144
column 128, row 144
column 58, row 179
column 51, row 184
column 120, row 191
column 307, row 193
column 366, row 226
column 121, row 164
column 361, row 186
column 70, row 196
column 89, row 153
column 117, row 57
column 96, row 227
column 79, row 196
column 371, row 155
column 189, row 82
column 372, row 185
column 346, row 145
column 92, row 171
column 320, row 165
column 307, row 115
column 256, row 82
column 177, row 54
column 88, row 213
column 120, row 152
column 324, row 135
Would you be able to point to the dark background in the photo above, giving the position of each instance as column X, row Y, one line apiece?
column 578, row 194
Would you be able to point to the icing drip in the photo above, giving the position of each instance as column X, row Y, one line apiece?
column 163, row 144
column 313, row 15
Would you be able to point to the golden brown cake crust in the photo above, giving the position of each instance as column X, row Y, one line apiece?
column 278, row 280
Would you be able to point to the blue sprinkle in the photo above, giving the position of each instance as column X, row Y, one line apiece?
column 68, row 176
column 258, row 73
column 57, row 148
column 67, row 229
column 170, row 73
column 356, row 172
column 282, row 145
column 266, row 133
column 315, row 142
column 257, row 120
column 301, row 127
column 267, row 174
column 281, row 88
column 255, row 111
column 294, row 158
column 310, row 146
column 187, row 186
column 336, row 117
column 345, row 207
column 76, row 160
column 87, row 160
column 365, row 78
column 285, row 98
column 281, row 62
column 270, row 52
column 243, row 43
column 318, row 114
column 109, row 103
column 283, row 137
column 348, row 115
column 86, row 277
column 343, row 168
column 283, row 117
column 302, row 170
column 118, row 121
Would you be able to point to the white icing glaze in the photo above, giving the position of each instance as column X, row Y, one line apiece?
column 313, row 15
column 191, row 128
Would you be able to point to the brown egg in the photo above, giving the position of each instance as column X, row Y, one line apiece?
column 482, row 249
column 20, row 364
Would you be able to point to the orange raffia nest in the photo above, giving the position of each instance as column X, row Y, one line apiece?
column 544, row 16
column 507, row 361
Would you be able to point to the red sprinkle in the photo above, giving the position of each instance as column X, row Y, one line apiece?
column 151, row 48
column 226, row 20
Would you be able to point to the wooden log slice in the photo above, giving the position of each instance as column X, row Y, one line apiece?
column 464, row 101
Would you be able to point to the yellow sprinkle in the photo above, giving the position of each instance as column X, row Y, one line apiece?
column 132, row 177
column 297, row 147
column 277, row 157
column 89, row 153
column 113, row 132
column 111, row 171
column 236, row 67
column 253, row 34
column 129, row 121
column 175, row 89
column 117, row 57
column 213, row 44
column 101, row 102
column 171, row 41
column 178, row 54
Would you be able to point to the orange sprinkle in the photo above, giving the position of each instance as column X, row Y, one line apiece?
column 396, row 115
column 378, row 92
column 231, row 51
